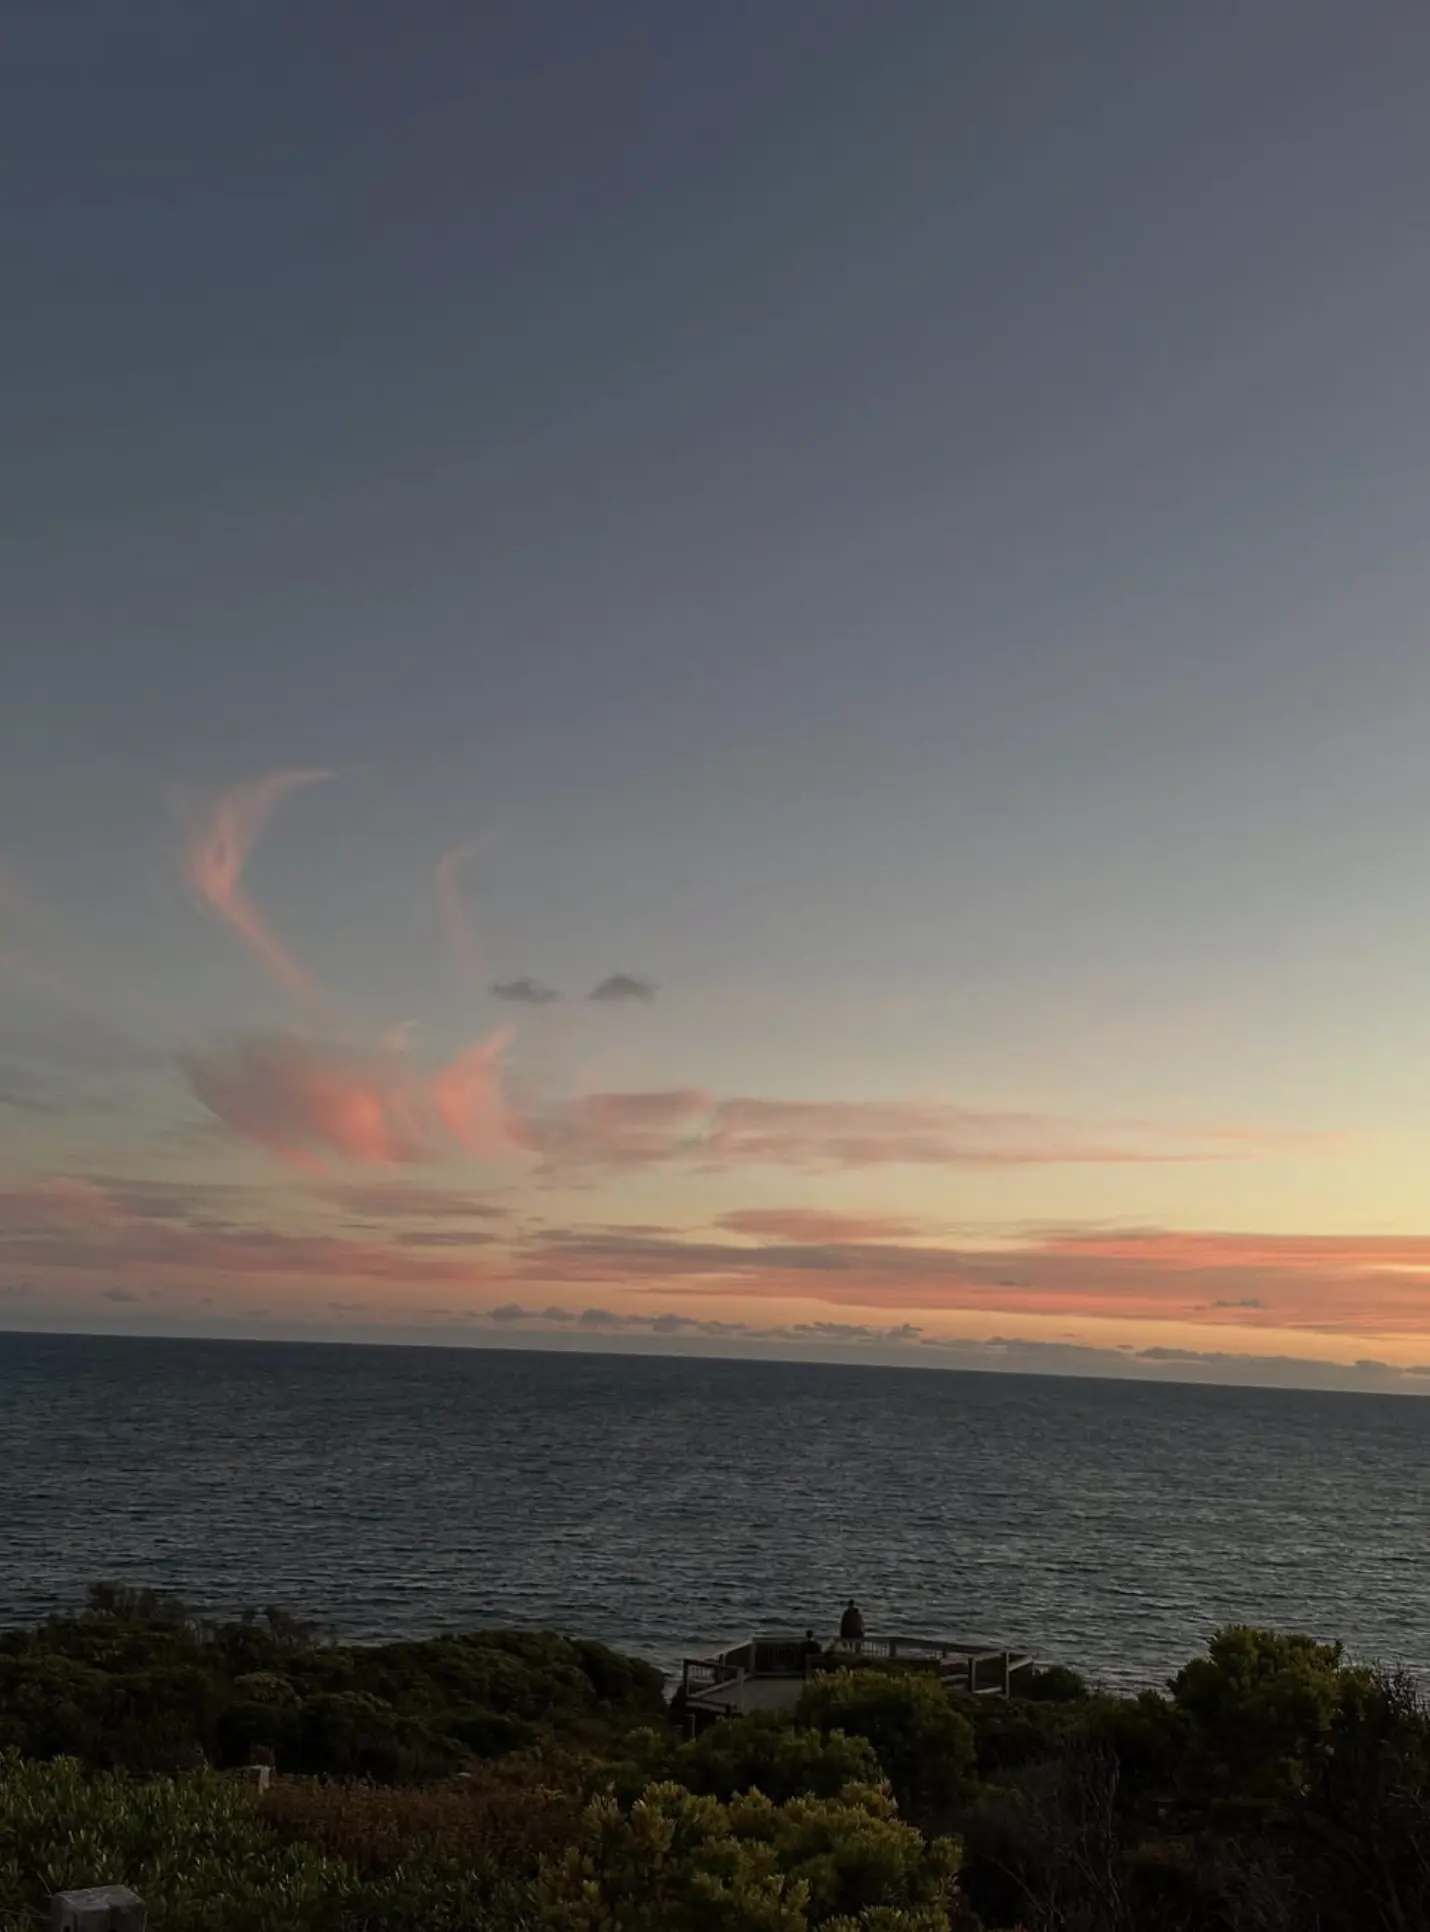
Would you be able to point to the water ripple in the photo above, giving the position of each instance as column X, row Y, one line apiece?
column 660, row 1503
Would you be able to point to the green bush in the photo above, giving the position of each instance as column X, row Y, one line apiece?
column 766, row 1751
column 140, row 1683
column 675, row 1861
column 922, row 1741
column 204, row 1851
column 1055, row 1685
column 195, row 1850
column 1259, row 1710
column 1271, row 1785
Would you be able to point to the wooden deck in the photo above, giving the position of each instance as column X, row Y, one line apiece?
column 770, row 1673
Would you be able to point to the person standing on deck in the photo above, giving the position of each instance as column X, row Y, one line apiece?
column 851, row 1624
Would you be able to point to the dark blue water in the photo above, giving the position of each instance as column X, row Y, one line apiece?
column 660, row 1504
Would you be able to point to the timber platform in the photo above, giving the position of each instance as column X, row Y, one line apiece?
column 770, row 1673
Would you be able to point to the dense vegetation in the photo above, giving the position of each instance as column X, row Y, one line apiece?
column 498, row 1782
column 140, row 1683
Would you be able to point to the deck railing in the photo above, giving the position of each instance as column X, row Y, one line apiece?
column 971, row 1667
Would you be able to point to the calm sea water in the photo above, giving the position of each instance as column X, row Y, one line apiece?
column 661, row 1504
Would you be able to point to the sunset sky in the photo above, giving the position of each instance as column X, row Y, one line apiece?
column 745, row 677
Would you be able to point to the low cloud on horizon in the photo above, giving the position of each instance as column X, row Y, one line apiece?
column 598, row 1329
column 69, row 1239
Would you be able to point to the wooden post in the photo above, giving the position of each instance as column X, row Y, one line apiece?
column 1007, row 1673
column 100, row 1908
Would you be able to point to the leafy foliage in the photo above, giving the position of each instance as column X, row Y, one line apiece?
column 196, row 1851
column 923, row 1741
column 676, row 1861
column 139, row 1682
column 1259, row 1711
column 507, row 1782
column 768, row 1753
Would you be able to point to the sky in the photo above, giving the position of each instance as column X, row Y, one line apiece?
column 743, row 678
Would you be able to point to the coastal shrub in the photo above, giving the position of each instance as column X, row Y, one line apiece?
column 769, row 1752
column 1360, row 1834
column 149, row 1717
column 492, row 1828
column 1044, row 1847
column 206, row 1852
column 675, row 1861
column 924, row 1744
column 195, row 1850
column 140, row 1682
column 1271, row 1787
column 1259, row 1710
column 1011, row 1732
column 1056, row 1684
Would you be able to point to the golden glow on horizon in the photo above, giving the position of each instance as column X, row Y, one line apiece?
column 342, row 1182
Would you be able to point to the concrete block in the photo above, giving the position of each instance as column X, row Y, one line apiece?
column 100, row 1908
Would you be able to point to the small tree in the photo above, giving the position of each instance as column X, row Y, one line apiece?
column 1259, row 1709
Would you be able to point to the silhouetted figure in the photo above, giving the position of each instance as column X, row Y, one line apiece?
column 851, row 1624
column 810, row 1652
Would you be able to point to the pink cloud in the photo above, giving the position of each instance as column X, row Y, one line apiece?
column 137, row 1234
column 817, row 1224
column 1257, row 1281
column 621, row 1130
column 71, row 1227
column 467, row 1096
column 308, row 1104
column 618, row 1129
column 1177, row 1249
column 388, row 1200
column 220, row 837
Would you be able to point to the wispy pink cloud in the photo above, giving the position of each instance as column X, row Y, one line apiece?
column 621, row 1130
column 617, row 1130
column 65, row 1227
column 467, row 1095
column 817, row 1224
column 309, row 1104
column 130, row 1234
column 396, row 1200
column 1333, row 1284
column 220, row 835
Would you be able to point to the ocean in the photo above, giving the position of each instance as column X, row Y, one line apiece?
column 664, row 1504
